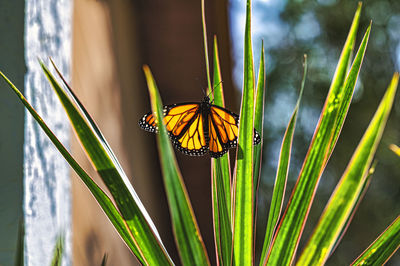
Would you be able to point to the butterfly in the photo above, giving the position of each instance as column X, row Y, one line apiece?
column 196, row 128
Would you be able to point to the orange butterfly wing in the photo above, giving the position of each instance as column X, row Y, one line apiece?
column 196, row 128
column 223, row 130
column 185, row 126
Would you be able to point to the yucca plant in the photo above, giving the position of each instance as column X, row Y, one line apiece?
column 233, row 192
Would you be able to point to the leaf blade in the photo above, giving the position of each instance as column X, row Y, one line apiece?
column 221, row 183
column 395, row 149
column 259, row 122
column 103, row 200
column 379, row 252
column 281, row 174
column 243, row 178
column 331, row 121
column 58, row 251
column 350, row 187
column 104, row 161
column 188, row 239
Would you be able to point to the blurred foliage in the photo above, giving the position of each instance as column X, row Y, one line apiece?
column 319, row 28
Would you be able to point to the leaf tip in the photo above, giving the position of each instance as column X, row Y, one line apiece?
column 40, row 61
column 147, row 73
column 368, row 31
column 370, row 25
column 395, row 80
column 371, row 170
column 395, row 149
column 358, row 11
column 52, row 62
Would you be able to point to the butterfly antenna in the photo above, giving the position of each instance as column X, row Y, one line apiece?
column 212, row 90
column 204, row 92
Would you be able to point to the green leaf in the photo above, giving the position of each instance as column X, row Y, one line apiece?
column 103, row 200
column 395, row 149
column 379, row 252
column 259, row 122
column 243, row 178
column 339, row 77
column 203, row 20
column 58, row 251
column 281, row 174
column 104, row 260
column 190, row 244
column 357, row 203
column 221, row 183
column 103, row 159
column 222, row 223
column 218, row 97
column 350, row 187
column 330, row 123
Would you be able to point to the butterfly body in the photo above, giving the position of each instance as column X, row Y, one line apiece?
column 196, row 128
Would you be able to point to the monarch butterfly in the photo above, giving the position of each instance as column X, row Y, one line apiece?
column 196, row 128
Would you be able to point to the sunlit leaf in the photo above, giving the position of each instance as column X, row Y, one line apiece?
column 187, row 235
column 330, row 123
column 395, row 149
column 350, row 187
column 221, row 182
column 103, row 200
column 259, row 122
column 383, row 247
column 243, row 178
column 142, row 228
column 58, row 251
column 281, row 174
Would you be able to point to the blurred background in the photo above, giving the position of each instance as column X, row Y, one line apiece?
column 113, row 39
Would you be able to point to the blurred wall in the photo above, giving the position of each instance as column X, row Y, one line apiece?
column 34, row 184
column 111, row 42
column 12, row 117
